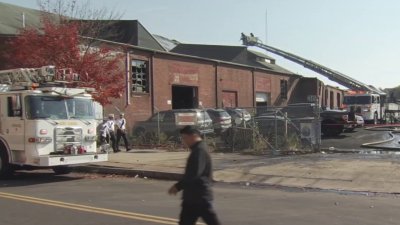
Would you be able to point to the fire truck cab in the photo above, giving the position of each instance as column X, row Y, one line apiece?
column 367, row 105
column 43, row 123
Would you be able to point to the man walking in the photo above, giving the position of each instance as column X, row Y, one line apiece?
column 121, row 132
column 111, row 132
column 196, row 182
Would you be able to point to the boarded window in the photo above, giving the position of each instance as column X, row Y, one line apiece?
column 229, row 99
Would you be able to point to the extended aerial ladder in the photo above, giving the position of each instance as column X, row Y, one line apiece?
column 333, row 75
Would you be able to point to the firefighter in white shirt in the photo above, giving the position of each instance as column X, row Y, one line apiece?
column 121, row 132
column 111, row 132
column 104, row 134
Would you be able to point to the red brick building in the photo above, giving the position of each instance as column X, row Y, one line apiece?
column 160, row 80
column 310, row 89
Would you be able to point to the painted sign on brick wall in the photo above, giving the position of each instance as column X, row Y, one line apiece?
column 182, row 74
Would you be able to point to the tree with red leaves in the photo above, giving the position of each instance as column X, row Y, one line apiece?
column 59, row 44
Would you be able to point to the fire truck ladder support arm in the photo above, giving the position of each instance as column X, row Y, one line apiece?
column 333, row 75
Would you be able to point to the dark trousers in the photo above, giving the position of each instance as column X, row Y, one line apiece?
column 192, row 212
column 121, row 133
column 103, row 140
column 111, row 140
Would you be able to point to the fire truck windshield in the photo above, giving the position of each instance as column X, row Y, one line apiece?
column 357, row 100
column 58, row 108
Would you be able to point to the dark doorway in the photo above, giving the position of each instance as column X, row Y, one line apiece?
column 184, row 97
column 331, row 101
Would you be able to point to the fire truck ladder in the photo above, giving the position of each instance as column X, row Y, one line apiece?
column 333, row 75
column 42, row 76
column 27, row 76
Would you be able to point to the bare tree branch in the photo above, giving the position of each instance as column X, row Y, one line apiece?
column 92, row 21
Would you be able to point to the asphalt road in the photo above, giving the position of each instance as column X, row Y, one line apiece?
column 354, row 140
column 40, row 198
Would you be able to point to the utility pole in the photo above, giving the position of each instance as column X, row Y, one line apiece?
column 266, row 26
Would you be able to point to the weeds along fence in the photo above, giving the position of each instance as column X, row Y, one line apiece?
column 260, row 129
column 277, row 130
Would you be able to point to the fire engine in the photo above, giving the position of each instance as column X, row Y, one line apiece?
column 44, row 123
column 366, row 104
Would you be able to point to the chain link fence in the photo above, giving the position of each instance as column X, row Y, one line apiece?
column 273, row 130
column 277, row 129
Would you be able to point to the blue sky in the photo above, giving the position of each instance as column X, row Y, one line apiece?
column 358, row 38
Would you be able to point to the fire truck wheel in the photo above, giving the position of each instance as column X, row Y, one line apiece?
column 60, row 170
column 5, row 167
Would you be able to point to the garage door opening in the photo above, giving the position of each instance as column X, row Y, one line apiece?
column 262, row 99
column 184, row 97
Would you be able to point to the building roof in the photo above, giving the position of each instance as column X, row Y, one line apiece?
column 125, row 31
column 219, row 52
column 259, row 54
column 188, row 56
column 128, row 32
column 167, row 43
column 11, row 19
column 234, row 54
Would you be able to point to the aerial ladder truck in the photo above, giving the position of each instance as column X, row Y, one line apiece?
column 361, row 98
column 44, row 123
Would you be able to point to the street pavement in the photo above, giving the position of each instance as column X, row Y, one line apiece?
column 40, row 198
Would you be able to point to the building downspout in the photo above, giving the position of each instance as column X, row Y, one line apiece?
column 153, row 107
column 127, row 83
column 216, row 86
column 254, row 87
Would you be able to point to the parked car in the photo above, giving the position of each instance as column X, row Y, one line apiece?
column 221, row 120
column 333, row 122
column 238, row 115
column 268, row 121
column 360, row 121
column 171, row 121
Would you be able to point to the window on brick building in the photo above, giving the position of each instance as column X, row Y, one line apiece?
column 284, row 89
column 140, row 76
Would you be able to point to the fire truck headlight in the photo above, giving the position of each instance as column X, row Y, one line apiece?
column 90, row 138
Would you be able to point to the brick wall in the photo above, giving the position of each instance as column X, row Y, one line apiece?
column 211, row 79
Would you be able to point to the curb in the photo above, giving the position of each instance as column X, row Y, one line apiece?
column 371, row 144
column 128, row 172
column 337, row 150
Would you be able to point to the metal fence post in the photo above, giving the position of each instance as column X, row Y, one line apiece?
column 204, row 122
column 276, row 132
column 317, row 125
column 254, row 133
column 286, row 125
column 158, row 128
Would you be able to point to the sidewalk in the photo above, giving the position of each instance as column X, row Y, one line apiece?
column 347, row 172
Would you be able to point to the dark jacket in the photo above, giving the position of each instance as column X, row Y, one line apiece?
column 197, row 180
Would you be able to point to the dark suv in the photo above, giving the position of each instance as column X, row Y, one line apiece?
column 333, row 122
column 171, row 121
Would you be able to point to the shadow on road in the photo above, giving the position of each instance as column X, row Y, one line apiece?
column 28, row 178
